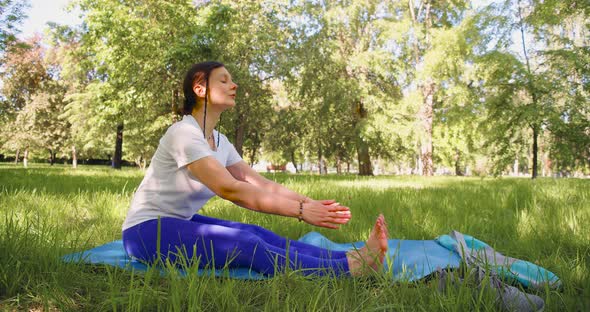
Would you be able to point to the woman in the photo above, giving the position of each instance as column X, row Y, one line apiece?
column 191, row 165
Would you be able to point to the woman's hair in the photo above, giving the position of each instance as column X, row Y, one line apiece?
column 199, row 73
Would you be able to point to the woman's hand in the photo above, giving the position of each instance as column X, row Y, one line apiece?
column 325, row 213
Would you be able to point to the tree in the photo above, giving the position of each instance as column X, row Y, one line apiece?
column 453, row 62
column 11, row 15
column 50, row 131
column 563, row 27
column 35, row 100
column 521, row 97
column 285, row 142
column 141, row 51
column 342, row 74
column 71, row 72
column 23, row 75
column 137, row 52
column 420, row 22
column 249, row 37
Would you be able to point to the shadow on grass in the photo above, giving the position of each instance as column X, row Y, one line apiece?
column 60, row 180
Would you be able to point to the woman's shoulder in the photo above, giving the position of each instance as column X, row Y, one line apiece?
column 184, row 126
column 181, row 133
column 222, row 138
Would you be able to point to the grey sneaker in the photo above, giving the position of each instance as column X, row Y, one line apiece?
column 513, row 299
column 508, row 298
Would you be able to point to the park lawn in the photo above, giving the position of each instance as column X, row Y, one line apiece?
column 47, row 212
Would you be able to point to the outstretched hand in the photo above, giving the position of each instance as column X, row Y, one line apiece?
column 325, row 213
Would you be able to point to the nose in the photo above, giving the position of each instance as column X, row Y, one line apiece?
column 235, row 86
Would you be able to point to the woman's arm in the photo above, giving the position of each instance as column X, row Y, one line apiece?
column 242, row 172
column 219, row 180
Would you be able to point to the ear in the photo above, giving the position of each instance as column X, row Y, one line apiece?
column 199, row 90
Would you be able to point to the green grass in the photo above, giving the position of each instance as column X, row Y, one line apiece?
column 47, row 212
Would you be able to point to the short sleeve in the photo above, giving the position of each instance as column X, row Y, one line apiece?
column 186, row 144
column 232, row 157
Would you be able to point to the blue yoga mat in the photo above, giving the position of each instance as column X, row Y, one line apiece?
column 407, row 260
column 114, row 254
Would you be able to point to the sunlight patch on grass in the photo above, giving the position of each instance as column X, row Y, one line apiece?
column 580, row 272
column 572, row 222
column 378, row 184
column 525, row 223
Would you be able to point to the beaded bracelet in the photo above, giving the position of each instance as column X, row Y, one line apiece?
column 300, row 216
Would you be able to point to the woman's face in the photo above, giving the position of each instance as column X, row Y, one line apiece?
column 222, row 90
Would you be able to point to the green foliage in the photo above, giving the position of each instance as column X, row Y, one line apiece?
column 11, row 15
column 357, row 82
column 139, row 53
column 33, row 101
column 340, row 78
column 563, row 27
column 135, row 72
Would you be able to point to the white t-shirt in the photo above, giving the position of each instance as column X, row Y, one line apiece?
column 168, row 189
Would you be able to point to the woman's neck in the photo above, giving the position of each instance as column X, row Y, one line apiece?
column 212, row 120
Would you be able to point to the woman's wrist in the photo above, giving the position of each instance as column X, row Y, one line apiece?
column 294, row 209
column 300, row 215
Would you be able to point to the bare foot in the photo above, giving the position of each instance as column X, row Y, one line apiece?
column 377, row 241
column 373, row 253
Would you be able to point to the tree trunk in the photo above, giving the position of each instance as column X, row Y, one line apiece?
column 140, row 162
column 293, row 161
column 117, row 158
column 175, row 105
column 338, row 169
column 425, row 164
column 515, row 167
column 426, row 118
column 418, row 165
column 252, row 157
column 74, row 158
column 239, row 136
column 535, row 151
column 255, row 139
column 320, row 160
column 364, row 159
column 17, row 156
column 547, row 165
column 531, row 89
column 362, row 147
column 458, row 170
column 51, row 157
column 26, row 158
column 348, row 167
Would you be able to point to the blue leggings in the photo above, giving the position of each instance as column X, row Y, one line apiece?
column 229, row 244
